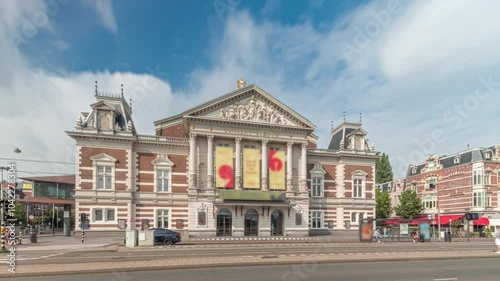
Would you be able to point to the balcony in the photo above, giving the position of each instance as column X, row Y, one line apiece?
column 161, row 139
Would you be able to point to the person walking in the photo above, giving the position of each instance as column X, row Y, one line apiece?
column 378, row 236
column 497, row 239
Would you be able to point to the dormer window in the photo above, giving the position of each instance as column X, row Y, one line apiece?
column 487, row 155
column 456, row 160
column 414, row 170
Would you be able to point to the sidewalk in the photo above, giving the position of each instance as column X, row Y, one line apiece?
column 200, row 262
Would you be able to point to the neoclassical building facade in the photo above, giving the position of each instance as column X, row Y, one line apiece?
column 243, row 164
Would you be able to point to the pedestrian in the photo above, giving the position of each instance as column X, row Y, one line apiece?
column 497, row 238
column 378, row 236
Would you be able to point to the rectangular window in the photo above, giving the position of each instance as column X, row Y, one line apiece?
column 98, row 215
column 162, row 218
column 430, row 202
column 162, row 179
column 357, row 188
column 487, row 199
column 487, row 178
column 431, row 184
column 353, row 217
column 478, row 199
column 110, row 214
column 104, row 215
column 104, row 177
column 478, row 174
column 316, row 219
column 316, row 187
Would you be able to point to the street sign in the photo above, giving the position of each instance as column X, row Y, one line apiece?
column 429, row 217
column 32, row 217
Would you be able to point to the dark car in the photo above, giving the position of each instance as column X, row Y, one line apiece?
column 166, row 236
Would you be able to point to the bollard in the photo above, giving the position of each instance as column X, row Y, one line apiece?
column 83, row 235
column 20, row 237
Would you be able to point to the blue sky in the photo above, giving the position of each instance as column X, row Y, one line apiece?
column 178, row 35
column 423, row 73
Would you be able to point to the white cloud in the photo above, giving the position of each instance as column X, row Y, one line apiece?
column 409, row 81
column 104, row 9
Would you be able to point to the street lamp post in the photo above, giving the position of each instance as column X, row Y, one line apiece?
column 439, row 213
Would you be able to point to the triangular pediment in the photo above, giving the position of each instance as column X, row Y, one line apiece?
column 103, row 157
column 162, row 159
column 250, row 104
column 102, row 105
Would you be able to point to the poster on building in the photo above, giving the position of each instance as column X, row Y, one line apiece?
column 276, row 170
column 366, row 230
column 224, row 177
column 403, row 228
column 251, row 168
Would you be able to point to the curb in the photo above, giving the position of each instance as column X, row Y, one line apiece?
column 275, row 263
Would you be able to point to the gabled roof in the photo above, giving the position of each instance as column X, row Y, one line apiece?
column 217, row 103
column 465, row 157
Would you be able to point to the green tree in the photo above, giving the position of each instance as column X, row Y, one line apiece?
column 410, row 205
column 383, row 169
column 383, row 207
column 20, row 213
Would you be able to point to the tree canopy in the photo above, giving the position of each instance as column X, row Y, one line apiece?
column 410, row 205
column 383, row 207
column 383, row 169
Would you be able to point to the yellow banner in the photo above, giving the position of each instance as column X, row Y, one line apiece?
column 224, row 177
column 251, row 168
column 277, row 170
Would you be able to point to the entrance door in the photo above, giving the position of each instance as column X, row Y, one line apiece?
column 277, row 223
column 224, row 223
column 251, row 223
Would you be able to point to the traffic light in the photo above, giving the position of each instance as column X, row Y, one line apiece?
column 83, row 217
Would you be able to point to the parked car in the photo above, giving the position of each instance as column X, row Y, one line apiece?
column 166, row 236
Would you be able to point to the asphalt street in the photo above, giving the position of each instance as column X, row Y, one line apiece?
column 436, row 270
column 253, row 249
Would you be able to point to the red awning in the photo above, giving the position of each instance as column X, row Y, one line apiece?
column 482, row 221
column 446, row 219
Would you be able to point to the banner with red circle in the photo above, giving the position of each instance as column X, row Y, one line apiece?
column 277, row 170
column 224, row 177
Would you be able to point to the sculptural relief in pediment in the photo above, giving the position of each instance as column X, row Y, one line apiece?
column 254, row 110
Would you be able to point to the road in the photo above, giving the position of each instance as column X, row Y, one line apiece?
column 436, row 270
column 253, row 249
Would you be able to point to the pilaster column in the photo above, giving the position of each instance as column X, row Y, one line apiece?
column 192, row 161
column 289, row 170
column 210, row 162
column 237, row 172
column 264, row 167
column 303, row 168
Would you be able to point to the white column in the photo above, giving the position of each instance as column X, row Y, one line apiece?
column 289, row 171
column 237, row 172
column 210, row 161
column 303, row 168
column 192, row 161
column 264, row 167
